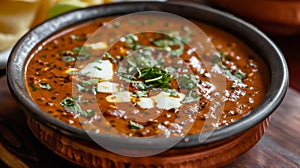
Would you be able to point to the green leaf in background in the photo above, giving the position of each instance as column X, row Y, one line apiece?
column 61, row 8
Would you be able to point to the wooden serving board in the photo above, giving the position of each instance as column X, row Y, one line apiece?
column 279, row 147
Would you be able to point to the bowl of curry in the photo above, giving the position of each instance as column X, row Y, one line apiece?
column 100, row 92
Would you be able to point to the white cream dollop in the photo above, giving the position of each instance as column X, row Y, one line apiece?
column 119, row 97
column 107, row 87
column 164, row 101
column 145, row 102
column 102, row 69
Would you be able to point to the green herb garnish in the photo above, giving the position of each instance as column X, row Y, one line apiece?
column 191, row 99
column 94, row 90
column 132, row 41
column 68, row 59
column 76, row 37
column 82, row 52
column 140, row 94
column 173, row 42
column 109, row 56
column 45, row 86
column 140, row 85
column 155, row 77
column 98, row 68
column 134, row 125
column 188, row 81
column 72, row 105
column 88, row 113
column 236, row 76
column 192, row 96
column 167, row 45
column 81, row 88
column 116, row 24
column 89, row 82
column 240, row 75
column 33, row 87
column 172, row 92
column 66, row 53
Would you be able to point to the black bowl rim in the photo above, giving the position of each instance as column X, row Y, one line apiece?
column 272, row 101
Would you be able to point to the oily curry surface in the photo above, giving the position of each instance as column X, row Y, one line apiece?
column 146, row 83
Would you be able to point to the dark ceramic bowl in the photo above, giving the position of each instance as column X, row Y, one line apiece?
column 53, row 132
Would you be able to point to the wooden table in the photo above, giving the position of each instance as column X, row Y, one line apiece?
column 279, row 147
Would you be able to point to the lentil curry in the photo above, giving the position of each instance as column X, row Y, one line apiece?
column 137, row 90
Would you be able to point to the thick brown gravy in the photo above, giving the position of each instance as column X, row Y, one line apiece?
column 157, row 95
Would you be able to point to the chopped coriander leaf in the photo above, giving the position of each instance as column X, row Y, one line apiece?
column 191, row 99
column 233, row 86
column 135, row 46
column 167, row 45
column 109, row 56
column 134, row 125
column 188, row 81
column 131, row 40
column 224, row 57
column 140, row 85
column 68, row 59
column 98, row 68
column 227, row 58
column 222, row 54
column 73, row 73
column 140, row 94
column 216, row 59
column 85, row 101
column 89, row 82
column 127, row 78
column 75, row 37
column 67, row 53
column 45, row 86
column 82, row 52
column 173, row 92
column 192, row 96
column 237, row 76
column 173, row 42
column 121, row 69
column 33, row 87
column 139, row 71
column 88, row 113
column 155, row 77
column 72, row 105
column 94, row 90
column 116, row 24
column 222, row 66
column 220, row 57
column 79, row 48
column 81, row 88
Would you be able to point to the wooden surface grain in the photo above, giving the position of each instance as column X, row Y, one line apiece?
column 279, row 147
